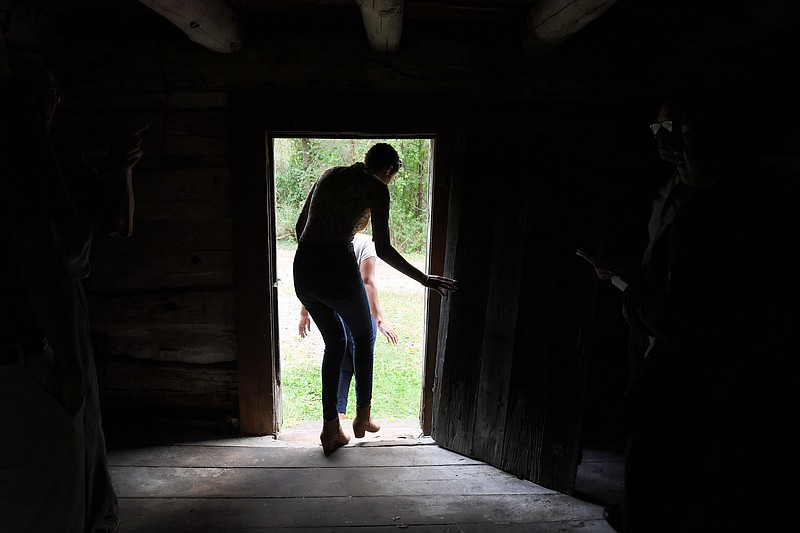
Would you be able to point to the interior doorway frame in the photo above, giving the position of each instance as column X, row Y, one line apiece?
column 434, row 261
column 254, row 123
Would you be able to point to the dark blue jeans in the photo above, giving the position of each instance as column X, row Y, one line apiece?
column 328, row 283
column 346, row 374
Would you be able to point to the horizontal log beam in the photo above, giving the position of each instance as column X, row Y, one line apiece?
column 209, row 23
column 550, row 22
column 383, row 21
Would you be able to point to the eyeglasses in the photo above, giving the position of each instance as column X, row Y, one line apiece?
column 656, row 127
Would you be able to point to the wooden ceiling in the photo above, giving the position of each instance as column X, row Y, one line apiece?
column 690, row 25
column 743, row 41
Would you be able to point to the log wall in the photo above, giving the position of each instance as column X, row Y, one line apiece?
column 541, row 162
column 162, row 301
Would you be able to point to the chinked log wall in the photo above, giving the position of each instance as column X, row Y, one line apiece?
column 526, row 190
column 162, row 301
column 512, row 364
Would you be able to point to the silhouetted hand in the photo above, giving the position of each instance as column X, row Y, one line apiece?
column 127, row 150
column 441, row 284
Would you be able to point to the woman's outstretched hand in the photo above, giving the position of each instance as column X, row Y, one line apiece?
column 441, row 284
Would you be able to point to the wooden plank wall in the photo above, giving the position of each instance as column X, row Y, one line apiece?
column 511, row 376
column 511, row 354
column 162, row 301
column 544, row 155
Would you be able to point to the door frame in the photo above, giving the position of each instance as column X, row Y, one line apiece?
column 253, row 125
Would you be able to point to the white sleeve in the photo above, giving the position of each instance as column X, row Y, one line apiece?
column 364, row 247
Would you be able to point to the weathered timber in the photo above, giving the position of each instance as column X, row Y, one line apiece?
column 208, row 185
column 458, row 367
column 448, row 149
column 213, row 24
column 551, row 22
column 193, row 309
column 260, row 402
column 160, row 386
column 503, row 301
column 383, row 22
column 191, row 344
column 191, row 327
column 200, row 269
column 249, row 483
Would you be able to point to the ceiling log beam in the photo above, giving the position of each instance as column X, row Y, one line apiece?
column 383, row 21
column 550, row 22
column 210, row 23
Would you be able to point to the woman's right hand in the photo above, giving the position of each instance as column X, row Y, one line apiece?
column 441, row 284
column 304, row 327
column 603, row 273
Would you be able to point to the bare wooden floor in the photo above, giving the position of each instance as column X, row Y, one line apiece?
column 218, row 483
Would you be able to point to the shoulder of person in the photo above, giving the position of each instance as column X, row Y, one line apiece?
column 362, row 168
column 362, row 239
column 363, row 246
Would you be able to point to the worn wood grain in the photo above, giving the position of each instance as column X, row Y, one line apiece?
column 260, row 401
column 182, row 184
column 356, row 481
column 550, row 22
column 161, row 270
column 448, row 150
column 178, row 236
column 497, row 350
column 261, row 487
column 460, row 362
column 383, row 22
column 345, row 511
column 173, row 382
column 213, row 24
column 197, row 309
column 192, row 344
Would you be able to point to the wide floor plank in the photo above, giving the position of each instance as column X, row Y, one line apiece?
column 247, row 513
column 230, row 486
column 148, row 482
column 279, row 457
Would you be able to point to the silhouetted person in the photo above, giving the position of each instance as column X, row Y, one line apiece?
column 687, row 406
column 665, row 203
column 366, row 257
column 328, row 283
column 101, row 202
column 43, row 383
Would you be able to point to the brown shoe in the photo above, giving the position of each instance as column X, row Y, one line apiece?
column 332, row 436
column 363, row 422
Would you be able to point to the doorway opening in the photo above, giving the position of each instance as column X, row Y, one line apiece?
column 398, row 383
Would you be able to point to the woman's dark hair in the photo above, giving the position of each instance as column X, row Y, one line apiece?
column 380, row 156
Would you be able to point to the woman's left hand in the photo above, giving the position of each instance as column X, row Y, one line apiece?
column 441, row 284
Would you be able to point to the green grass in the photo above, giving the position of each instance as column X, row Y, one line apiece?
column 397, row 374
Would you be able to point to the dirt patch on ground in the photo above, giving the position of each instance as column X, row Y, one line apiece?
column 309, row 350
column 387, row 276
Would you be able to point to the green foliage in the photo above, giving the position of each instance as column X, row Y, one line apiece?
column 300, row 161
